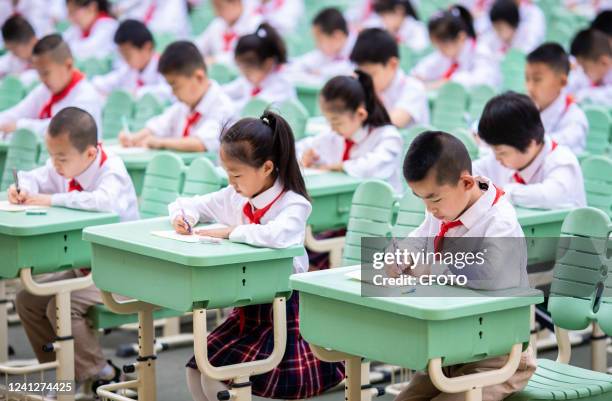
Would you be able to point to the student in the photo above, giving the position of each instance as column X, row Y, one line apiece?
column 333, row 47
column 62, row 85
column 360, row 14
column 169, row 17
column 592, row 81
column 41, row 15
column 534, row 170
column 363, row 142
column 138, row 75
column 546, row 77
column 92, row 29
column 234, row 19
column 603, row 22
column 194, row 123
column 404, row 97
column 280, row 14
column 458, row 57
column 401, row 20
column 78, row 175
column 266, row 204
column 19, row 40
column 260, row 57
column 459, row 204
column 509, row 32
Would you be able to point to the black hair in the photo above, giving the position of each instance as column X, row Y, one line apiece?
column 330, row 20
column 347, row 93
column 438, row 151
column 374, row 45
column 603, row 22
column 53, row 45
column 388, row 6
column 103, row 5
column 17, row 29
column 448, row 24
column 551, row 54
column 591, row 44
column 253, row 141
column 265, row 43
column 133, row 32
column 181, row 57
column 511, row 119
column 78, row 124
column 505, row 11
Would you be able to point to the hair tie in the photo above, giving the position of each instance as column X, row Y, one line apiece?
column 265, row 120
column 455, row 12
column 261, row 33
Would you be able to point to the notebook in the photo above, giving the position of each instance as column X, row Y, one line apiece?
column 6, row 206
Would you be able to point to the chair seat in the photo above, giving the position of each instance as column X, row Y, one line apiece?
column 556, row 381
column 102, row 318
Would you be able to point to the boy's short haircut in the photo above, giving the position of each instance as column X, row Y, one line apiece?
column 17, row 29
column 551, row 54
column 54, row 46
column 511, row 119
column 181, row 57
column 438, row 151
column 78, row 124
column 330, row 20
column 505, row 11
column 133, row 32
column 603, row 22
column 374, row 45
column 591, row 44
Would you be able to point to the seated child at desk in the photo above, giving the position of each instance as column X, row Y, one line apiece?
column 333, row 48
column 62, row 85
column 165, row 17
column 546, row 77
column 281, row 14
column 404, row 97
column 363, row 142
column 19, row 40
column 534, row 170
column 438, row 170
column 400, row 19
column 90, row 34
column 592, row 81
column 261, row 57
column 78, row 175
column 266, row 204
column 138, row 75
column 192, row 124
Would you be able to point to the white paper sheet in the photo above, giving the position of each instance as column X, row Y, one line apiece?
column 120, row 150
column 192, row 238
column 5, row 206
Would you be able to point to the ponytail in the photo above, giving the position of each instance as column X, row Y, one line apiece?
column 103, row 5
column 265, row 43
column 347, row 93
column 253, row 141
column 447, row 25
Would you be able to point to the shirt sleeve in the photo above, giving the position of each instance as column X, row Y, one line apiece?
column 164, row 124
column 107, row 83
column 381, row 162
column 40, row 180
column 573, row 133
column 26, row 110
column 107, row 197
column 206, row 208
column 208, row 133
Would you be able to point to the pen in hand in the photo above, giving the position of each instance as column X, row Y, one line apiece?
column 16, row 179
column 189, row 229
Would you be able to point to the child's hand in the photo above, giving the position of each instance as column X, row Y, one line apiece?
column 38, row 200
column 7, row 128
column 332, row 167
column 154, row 143
column 125, row 139
column 180, row 226
column 16, row 198
column 435, row 85
column 309, row 158
column 216, row 233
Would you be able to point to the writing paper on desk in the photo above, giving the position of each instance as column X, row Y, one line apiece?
column 6, row 206
column 312, row 171
column 191, row 238
column 120, row 150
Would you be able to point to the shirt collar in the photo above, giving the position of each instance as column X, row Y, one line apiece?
column 552, row 113
column 87, row 177
column 263, row 199
column 528, row 172
column 466, row 55
column 395, row 83
column 151, row 67
column 475, row 212
column 361, row 134
column 206, row 103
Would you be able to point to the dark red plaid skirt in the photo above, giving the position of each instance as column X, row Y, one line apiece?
column 299, row 375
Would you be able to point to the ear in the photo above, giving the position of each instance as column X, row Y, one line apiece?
column 563, row 79
column 200, row 75
column 148, row 47
column 393, row 63
column 467, row 180
column 92, row 152
column 69, row 63
column 462, row 36
column 361, row 113
column 268, row 167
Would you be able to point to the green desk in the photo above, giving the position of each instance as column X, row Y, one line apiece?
column 542, row 229
column 4, row 145
column 44, row 244
column 136, row 162
column 411, row 331
column 128, row 260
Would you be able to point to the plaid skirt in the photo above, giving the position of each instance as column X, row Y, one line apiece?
column 247, row 335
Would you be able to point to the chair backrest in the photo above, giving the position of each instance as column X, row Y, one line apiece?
column 162, row 40
column 22, row 154
column 581, row 290
column 450, row 107
column 600, row 125
column 95, row 66
column 254, row 107
column 466, row 136
column 201, row 178
column 597, row 173
column 513, row 71
column 222, row 73
column 410, row 215
column 479, row 96
column 145, row 108
column 119, row 106
column 296, row 115
column 370, row 216
column 162, row 184
column 11, row 92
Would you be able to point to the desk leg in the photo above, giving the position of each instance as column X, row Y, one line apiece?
column 3, row 323
column 352, row 370
column 599, row 356
column 332, row 245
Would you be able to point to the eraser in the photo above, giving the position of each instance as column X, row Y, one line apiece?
column 36, row 212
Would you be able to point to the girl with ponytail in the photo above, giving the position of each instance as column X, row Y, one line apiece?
column 362, row 141
column 92, row 29
column 266, row 204
column 458, row 56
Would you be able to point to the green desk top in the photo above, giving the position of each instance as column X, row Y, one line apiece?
column 540, row 216
column 140, row 160
column 330, row 184
column 135, row 237
column 4, row 146
column 460, row 302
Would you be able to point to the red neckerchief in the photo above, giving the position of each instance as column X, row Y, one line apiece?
column 191, row 120
column 86, row 32
column 517, row 176
column 45, row 112
column 455, row 65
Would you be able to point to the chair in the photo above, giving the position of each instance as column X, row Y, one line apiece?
column 201, row 178
column 296, row 115
column 513, row 71
column 255, row 107
column 479, row 96
column 410, row 215
column 600, row 128
column 119, row 106
column 450, row 107
column 22, row 154
column 162, row 184
column 11, row 92
column 145, row 108
column 597, row 173
column 309, row 97
column 222, row 73
column 580, row 294
column 162, row 40
column 466, row 136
